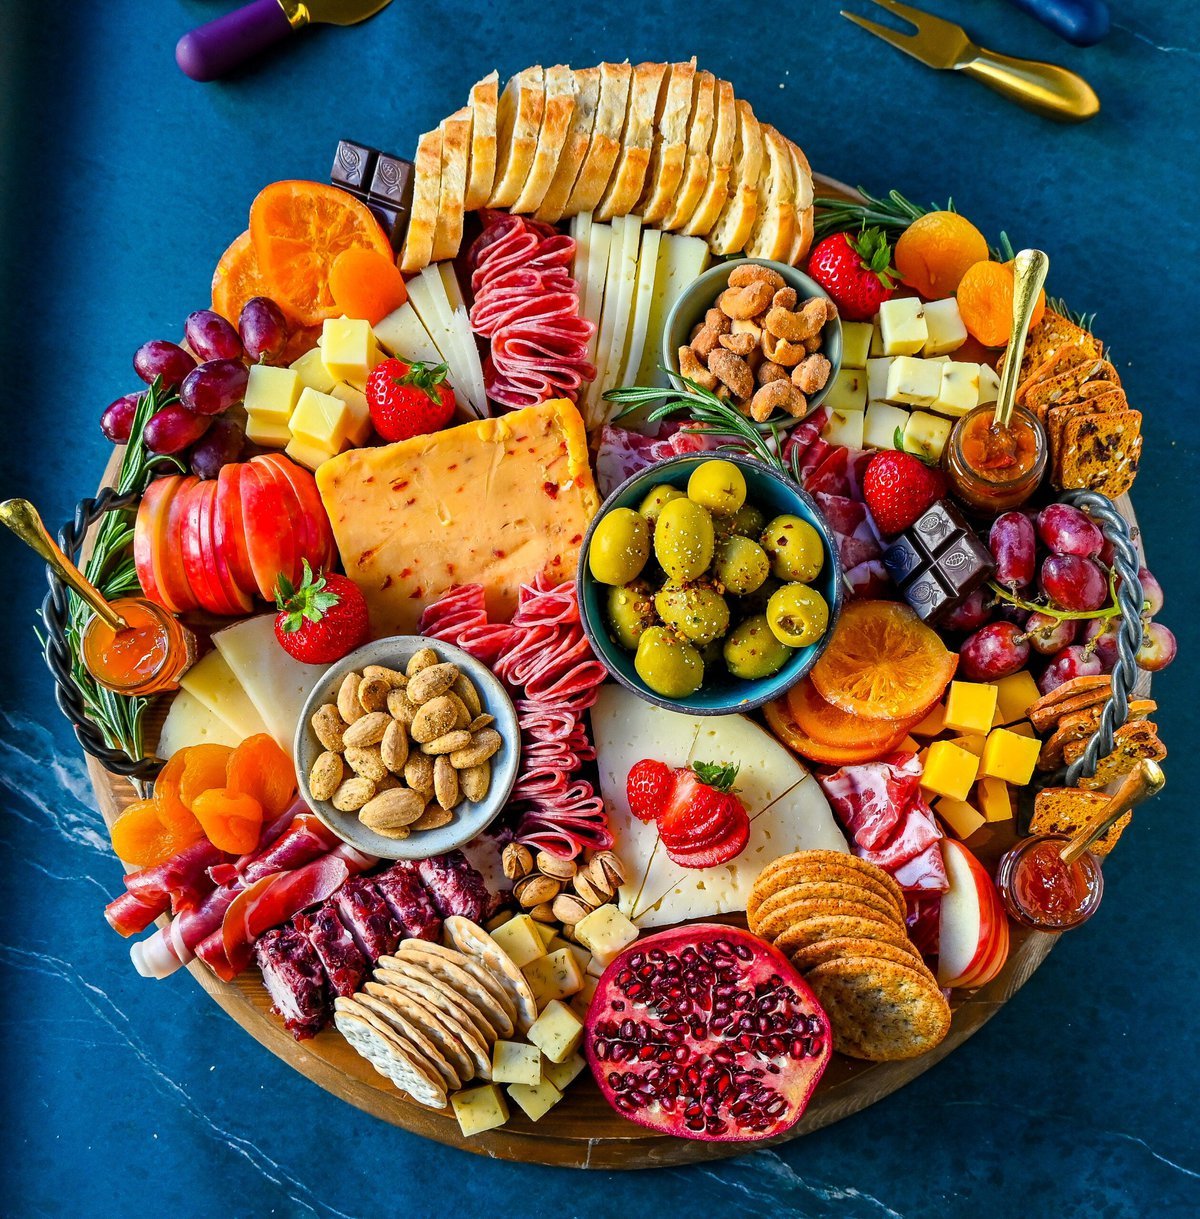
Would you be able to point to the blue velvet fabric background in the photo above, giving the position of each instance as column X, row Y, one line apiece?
column 122, row 182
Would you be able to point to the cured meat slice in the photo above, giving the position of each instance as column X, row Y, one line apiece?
column 344, row 965
column 294, row 980
column 623, row 453
column 361, row 907
column 409, row 901
column 304, row 839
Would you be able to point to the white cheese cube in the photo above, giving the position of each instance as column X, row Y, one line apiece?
column 520, row 939
column 945, row 325
column 856, row 343
column 581, row 954
column 311, row 370
column 989, row 384
column 267, row 432
column 913, row 381
column 358, row 428
column 844, row 428
column 480, row 1109
column 308, row 454
column 348, row 349
column 514, row 1062
column 934, row 359
column 847, row 391
column 959, row 390
column 604, row 933
column 548, row 934
column 320, row 420
column 555, row 976
column 538, row 1100
column 272, row 393
column 877, row 377
column 557, row 1032
column 562, row 1074
column 582, row 1001
column 881, row 425
column 876, row 348
column 926, row 434
column 902, row 323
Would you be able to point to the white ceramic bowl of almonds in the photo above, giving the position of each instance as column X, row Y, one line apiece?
column 401, row 765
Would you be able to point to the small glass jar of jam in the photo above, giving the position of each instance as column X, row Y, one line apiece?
column 1040, row 890
column 993, row 469
column 148, row 655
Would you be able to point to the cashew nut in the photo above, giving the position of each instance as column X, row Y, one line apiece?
column 705, row 341
column 785, row 298
column 768, row 370
column 779, row 394
column 732, row 371
column 690, row 367
column 714, row 319
column 747, row 301
column 797, row 326
column 811, row 373
column 740, row 344
column 749, row 273
column 781, row 351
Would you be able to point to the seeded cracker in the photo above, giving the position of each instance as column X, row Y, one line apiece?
column 808, row 958
column 388, row 1056
column 838, row 890
column 773, row 925
column 431, row 1023
column 472, row 939
column 416, row 1041
column 825, row 927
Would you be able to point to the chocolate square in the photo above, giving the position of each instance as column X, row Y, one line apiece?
column 392, row 182
column 936, row 525
column 353, row 166
column 928, row 595
column 902, row 559
column 381, row 181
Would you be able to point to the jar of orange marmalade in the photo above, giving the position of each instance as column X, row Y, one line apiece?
column 148, row 655
column 993, row 468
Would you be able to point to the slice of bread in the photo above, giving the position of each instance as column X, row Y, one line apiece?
column 456, row 148
column 481, row 174
column 669, row 151
column 732, row 230
column 775, row 225
column 803, row 184
column 427, row 183
column 518, row 124
column 695, row 170
column 720, row 164
column 575, row 148
column 597, row 167
column 625, row 187
column 556, row 122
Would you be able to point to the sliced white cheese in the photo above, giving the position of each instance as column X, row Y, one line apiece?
column 190, row 722
column 213, row 684
column 608, row 311
column 622, row 316
column 643, row 297
column 787, row 808
column 680, row 261
column 461, row 321
column 403, row 334
column 434, row 311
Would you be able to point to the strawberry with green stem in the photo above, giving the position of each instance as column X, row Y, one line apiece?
column 856, row 270
column 322, row 619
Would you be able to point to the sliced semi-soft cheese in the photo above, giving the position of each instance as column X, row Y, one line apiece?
column 788, row 811
column 437, row 322
column 404, row 335
column 622, row 317
column 276, row 683
column 680, row 261
column 599, row 247
column 213, row 684
column 643, row 297
column 461, row 321
column 190, row 722
column 608, row 318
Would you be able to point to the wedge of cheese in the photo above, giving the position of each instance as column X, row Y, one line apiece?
column 620, row 282
column 556, row 123
column 695, row 170
column 460, row 321
column 456, row 148
column 669, row 149
column 774, row 228
column 427, row 186
column 788, row 811
column 579, row 139
column 597, row 167
column 451, row 333
column 497, row 502
column 680, row 260
column 643, row 299
column 212, row 683
column 593, row 243
column 190, row 722
column 518, row 123
column 403, row 334
column 637, row 137
column 720, row 163
column 733, row 226
column 481, row 173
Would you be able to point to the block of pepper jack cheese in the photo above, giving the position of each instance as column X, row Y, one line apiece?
column 496, row 502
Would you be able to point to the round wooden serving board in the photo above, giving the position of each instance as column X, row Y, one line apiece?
column 582, row 1131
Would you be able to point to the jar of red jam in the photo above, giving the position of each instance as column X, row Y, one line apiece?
column 148, row 655
column 1041, row 890
column 993, row 468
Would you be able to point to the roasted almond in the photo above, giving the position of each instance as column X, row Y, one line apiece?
column 449, row 742
column 326, row 774
column 420, row 659
column 465, row 689
column 475, row 781
column 433, row 719
column 392, row 810
column 367, row 731
column 400, row 707
column 483, row 745
column 432, row 681
column 445, row 782
column 366, row 760
column 480, row 722
column 373, row 693
column 347, row 698
column 329, row 726
column 433, row 818
column 394, row 747
column 352, row 794
column 393, row 677
column 418, row 773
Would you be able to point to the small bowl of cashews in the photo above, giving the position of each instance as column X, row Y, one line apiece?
column 761, row 335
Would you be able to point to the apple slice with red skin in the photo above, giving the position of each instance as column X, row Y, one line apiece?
column 235, row 601
column 195, row 564
column 996, row 954
column 269, row 529
column 172, row 574
column 320, row 539
column 229, row 533
column 148, row 532
column 302, row 524
column 970, row 936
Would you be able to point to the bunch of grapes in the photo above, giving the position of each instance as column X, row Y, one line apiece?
column 204, row 379
column 1057, row 603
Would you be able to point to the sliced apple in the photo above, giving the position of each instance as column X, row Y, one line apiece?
column 269, row 529
column 148, row 531
column 172, row 576
column 320, row 548
column 236, row 602
column 229, row 534
column 973, row 928
column 199, row 576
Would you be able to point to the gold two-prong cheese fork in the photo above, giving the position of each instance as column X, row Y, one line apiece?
column 1044, row 88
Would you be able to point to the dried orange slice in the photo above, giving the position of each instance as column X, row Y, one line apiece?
column 298, row 230
column 783, row 724
column 826, row 724
column 883, row 663
column 236, row 279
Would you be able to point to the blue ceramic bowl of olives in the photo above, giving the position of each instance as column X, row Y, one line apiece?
column 603, row 606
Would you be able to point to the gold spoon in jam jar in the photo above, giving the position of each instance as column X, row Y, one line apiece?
column 1029, row 274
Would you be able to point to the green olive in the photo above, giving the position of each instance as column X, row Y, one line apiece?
column 719, row 486
column 752, row 651
column 740, row 564
column 683, row 540
column 657, row 498
column 620, row 547
column 667, row 664
column 748, row 520
column 630, row 612
column 712, row 655
column 798, row 615
column 756, row 602
column 699, row 614
column 795, row 548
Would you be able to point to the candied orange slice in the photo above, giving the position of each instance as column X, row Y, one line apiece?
column 259, row 768
column 236, row 279
column 883, row 663
column 140, row 838
column 829, row 725
column 172, row 812
column 231, row 820
column 205, row 766
column 783, row 724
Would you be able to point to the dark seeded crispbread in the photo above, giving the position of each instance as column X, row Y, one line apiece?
column 1131, row 743
column 822, row 951
column 1100, row 452
column 1048, row 337
column 1064, row 810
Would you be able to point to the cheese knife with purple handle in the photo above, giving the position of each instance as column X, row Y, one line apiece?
column 223, row 45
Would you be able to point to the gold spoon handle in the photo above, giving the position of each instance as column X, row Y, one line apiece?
column 1029, row 274
column 1145, row 780
column 1044, row 88
column 23, row 519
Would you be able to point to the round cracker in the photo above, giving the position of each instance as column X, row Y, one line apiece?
column 774, row 924
column 392, row 969
column 880, row 1010
column 822, row 891
column 473, row 966
column 414, row 1036
column 829, row 926
column 434, row 996
column 819, row 953
column 454, row 975
column 476, row 942
column 806, row 865
column 387, row 1054
column 448, row 1041
column 836, row 873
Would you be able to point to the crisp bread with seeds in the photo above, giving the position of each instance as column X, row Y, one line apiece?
column 1101, row 452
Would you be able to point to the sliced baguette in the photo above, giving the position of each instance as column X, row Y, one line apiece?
column 720, row 164
column 775, row 225
column 803, row 183
column 422, row 224
column 481, row 177
column 518, row 124
column 625, row 187
column 575, row 148
column 456, row 147
column 669, row 151
column 597, row 167
column 556, row 122
column 695, row 169
column 732, row 230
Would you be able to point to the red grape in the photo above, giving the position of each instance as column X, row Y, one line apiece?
column 1152, row 591
column 158, row 358
column 174, row 429
column 263, row 329
column 220, row 445
column 1158, row 648
column 1014, row 547
column 117, row 421
column 211, row 337
column 1074, row 582
column 1067, row 530
column 1071, row 662
column 994, row 651
column 1100, row 635
column 969, row 615
column 1048, row 634
column 214, row 387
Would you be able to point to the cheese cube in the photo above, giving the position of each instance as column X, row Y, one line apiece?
column 960, row 816
column 926, row 435
column 958, row 391
column 877, row 377
column 267, row 432
column 970, row 706
column 856, row 343
column 932, row 724
column 912, row 381
column 945, row 326
column 902, row 325
column 908, row 745
column 989, row 384
column 881, row 424
column 320, row 420
column 514, row 1062
column 480, row 1109
column 272, row 393
column 605, row 932
column 348, row 349
column 934, row 359
column 582, row 1001
column 556, row 976
column 311, row 370
column 1015, row 694
column 581, row 954
column 1009, row 756
column 557, row 1032
column 844, row 428
column 358, row 429
column 520, row 939
column 537, row 1100
column 307, row 454
column 847, row 391
column 972, row 742
column 562, row 1074
column 1025, row 728
column 548, row 934
column 497, row 920
column 949, row 770
column 994, row 799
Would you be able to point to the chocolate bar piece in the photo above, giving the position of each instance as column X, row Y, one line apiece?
column 383, row 182
column 938, row 562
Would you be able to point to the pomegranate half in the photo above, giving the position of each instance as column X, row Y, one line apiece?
column 707, row 1032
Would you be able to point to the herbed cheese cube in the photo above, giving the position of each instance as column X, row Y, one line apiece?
column 582, row 957
column 557, row 1032
column 964, row 819
column 348, row 349
column 989, row 384
column 537, row 1100
column 912, row 381
column 548, row 934
column 881, row 423
column 563, row 1074
column 272, row 393
column 902, row 324
column 358, row 429
column 958, row 391
column 848, row 390
column 480, row 1109
column 320, row 420
column 520, row 939
column 1009, row 756
column 844, row 428
column 556, row 976
column 949, row 770
column 945, row 326
column 877, row 377
column 312, row 371
column 856, row 343
column 514, row 1062
column 583, row 1000
column 605, row 932
column 926, row 434
column 970, row 706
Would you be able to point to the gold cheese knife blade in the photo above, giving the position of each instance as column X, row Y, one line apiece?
column 330, row 12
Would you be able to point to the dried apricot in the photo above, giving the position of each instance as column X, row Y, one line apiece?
column 259, row 768
column 366, row 284
column 232, row 821
column 935, row 251
column 205, row 766
column 172, row 812
column 140, row 838
column 985, row 300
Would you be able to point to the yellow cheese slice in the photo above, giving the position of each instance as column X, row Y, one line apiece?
column 190, row 722
column 211, row 682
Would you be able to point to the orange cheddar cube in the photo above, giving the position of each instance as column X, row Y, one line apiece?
column 994, row 799
column 1024, row 728
column 908, row 745
column 972, row 742
column 1009, row 756
column 970, row 706
column 1015, row 694
column 932, row 724
column 964, row 819
column 949, row 770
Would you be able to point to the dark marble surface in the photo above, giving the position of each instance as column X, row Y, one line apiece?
column 121, row 183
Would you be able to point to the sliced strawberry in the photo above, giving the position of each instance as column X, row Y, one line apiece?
column 700, row 805
column 722, row 851
column 648, row 787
